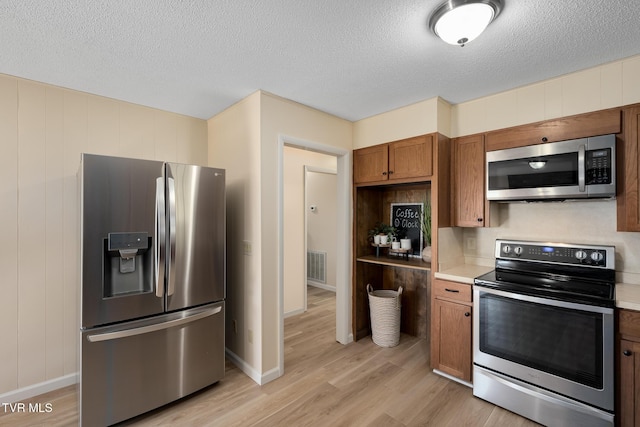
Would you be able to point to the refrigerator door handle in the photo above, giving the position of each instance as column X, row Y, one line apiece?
column 107, row 336
column 171, row 262
column 160, row 244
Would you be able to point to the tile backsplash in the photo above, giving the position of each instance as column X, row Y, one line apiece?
column 588, row 222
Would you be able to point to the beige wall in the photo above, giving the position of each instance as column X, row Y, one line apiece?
column 43, row 130
column 234, row 144
column 415, row 119
column 294, row 214
column 280, row 119
column 254, row 169
column 597, row 88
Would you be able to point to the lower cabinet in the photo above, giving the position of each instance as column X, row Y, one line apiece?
column 628, row 361
column 451, row 329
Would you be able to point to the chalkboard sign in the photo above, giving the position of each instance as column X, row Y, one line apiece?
column 405, row 217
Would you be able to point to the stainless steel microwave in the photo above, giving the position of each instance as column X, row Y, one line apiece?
column 575, row 169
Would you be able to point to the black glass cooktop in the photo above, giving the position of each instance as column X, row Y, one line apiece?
column 545, row 284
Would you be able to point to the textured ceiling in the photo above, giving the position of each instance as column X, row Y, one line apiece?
column 350, row 58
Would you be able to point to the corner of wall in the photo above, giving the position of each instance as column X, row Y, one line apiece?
column 444, row 111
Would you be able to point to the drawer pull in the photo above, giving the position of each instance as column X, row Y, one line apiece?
column 455, row 291
column 627, row 353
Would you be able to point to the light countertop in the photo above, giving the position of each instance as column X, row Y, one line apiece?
column 464, row 273
column 627, row 296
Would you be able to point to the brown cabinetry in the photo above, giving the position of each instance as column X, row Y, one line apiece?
column 628, row 361
column 421, row 168
column 579, row 126
column 388, row 271
column 451, row 333
column 406, row 160
column 628, row 183
column 469, row 206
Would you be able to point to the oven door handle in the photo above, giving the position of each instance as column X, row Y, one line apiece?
column 541, row 300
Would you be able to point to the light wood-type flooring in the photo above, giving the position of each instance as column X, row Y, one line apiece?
column 325, row 384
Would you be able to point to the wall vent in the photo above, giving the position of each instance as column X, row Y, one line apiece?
column 317, row 266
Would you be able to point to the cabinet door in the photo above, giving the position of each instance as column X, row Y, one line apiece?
column 469, row 204
column 371, row 164
column 629, row 393
column 628, row 183
column 572, row 127
column 411, row 158
column 452, row 324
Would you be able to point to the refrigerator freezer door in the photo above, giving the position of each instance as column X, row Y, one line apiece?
column 119, row 239
column 134, row 367
column 196, row 243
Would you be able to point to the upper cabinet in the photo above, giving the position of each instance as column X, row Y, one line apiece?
column 580, row 126
column 628, row 198
column 406, row 160
column 469, row 206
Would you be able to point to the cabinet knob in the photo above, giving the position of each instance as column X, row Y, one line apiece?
column 627, row 353
column 479, row 219
column 384, row 173
column 390, row 172
column 544, row 139
column 467, row 314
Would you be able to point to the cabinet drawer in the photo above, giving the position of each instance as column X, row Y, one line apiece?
column 443, row 289
column 629, row 323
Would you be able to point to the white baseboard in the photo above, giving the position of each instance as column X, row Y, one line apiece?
column 260, row 379
column 38, row 389
column 321, row 286
column 293, row 313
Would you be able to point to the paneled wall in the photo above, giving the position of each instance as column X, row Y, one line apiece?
column 43, row 130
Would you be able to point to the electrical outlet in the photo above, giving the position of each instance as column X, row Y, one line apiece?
column 250, row 336
column 234, row 323
column 246, row 247
column 471, row 243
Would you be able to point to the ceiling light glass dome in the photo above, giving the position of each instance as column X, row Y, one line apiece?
column 458, row 22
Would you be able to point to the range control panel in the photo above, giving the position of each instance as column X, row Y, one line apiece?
column 558, row 253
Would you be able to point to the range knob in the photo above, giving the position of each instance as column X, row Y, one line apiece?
column 517, row 250
column 597, row 256
column 506, row 249
column 581, row 255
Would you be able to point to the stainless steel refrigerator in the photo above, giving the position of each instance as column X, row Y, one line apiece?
column 152, row 284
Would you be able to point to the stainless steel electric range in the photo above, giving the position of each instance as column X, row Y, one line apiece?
column 543, row 325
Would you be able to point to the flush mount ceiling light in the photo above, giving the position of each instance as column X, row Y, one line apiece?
column 458, row 22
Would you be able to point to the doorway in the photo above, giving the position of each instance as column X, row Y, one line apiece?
column 320, row 210
column 309, row 203
column 342, row 239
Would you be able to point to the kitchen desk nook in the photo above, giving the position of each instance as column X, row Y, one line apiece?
column 408, row 176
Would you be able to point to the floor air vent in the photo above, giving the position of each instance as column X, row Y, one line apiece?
column 317, row 266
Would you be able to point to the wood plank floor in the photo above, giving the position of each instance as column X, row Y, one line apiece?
column 325, row 384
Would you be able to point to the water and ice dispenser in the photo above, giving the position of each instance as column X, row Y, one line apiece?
column 128, row 264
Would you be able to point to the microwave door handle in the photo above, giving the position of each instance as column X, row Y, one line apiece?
column 171, row 261
column 581, row 168
column 159, row 246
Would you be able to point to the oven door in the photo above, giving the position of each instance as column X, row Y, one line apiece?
column 563, row 347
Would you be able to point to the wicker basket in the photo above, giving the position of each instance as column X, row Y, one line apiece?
column 384, row 308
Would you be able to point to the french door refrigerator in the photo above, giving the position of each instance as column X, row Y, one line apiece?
column 152, row 284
